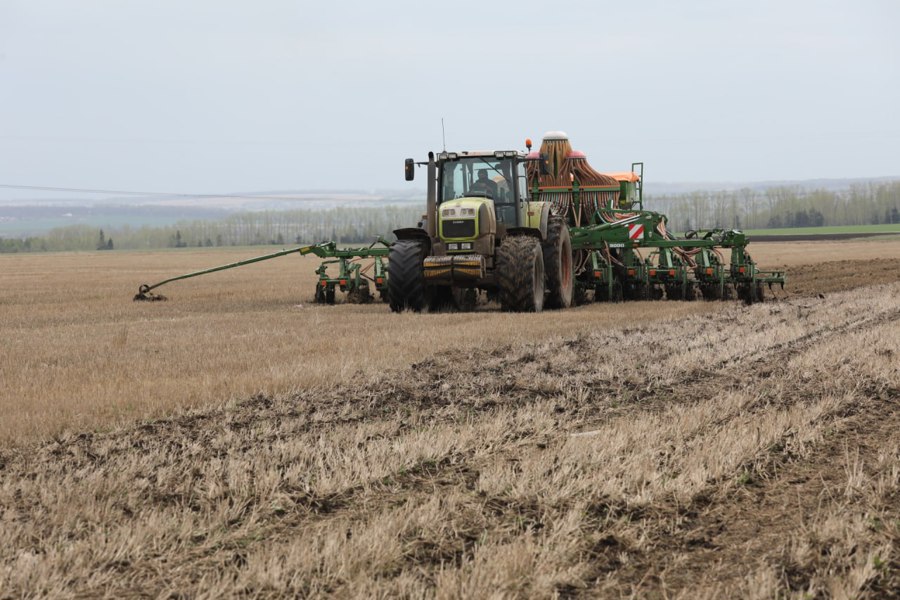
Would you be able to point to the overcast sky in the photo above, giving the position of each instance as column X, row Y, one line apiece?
column 213, row 95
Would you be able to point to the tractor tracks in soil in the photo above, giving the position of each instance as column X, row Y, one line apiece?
column 725, row 537
column 733, row 536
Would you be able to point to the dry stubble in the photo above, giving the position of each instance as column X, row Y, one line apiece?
column 622, row 461
column 78, row 354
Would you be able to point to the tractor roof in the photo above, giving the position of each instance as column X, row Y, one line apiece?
column 480, row 154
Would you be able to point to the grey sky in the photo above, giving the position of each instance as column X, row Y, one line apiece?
column 214, row 96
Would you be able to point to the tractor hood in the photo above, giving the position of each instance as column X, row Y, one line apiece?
column 466, row 218
column 463, row 207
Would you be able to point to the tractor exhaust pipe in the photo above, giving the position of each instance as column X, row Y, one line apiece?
column 431, row 204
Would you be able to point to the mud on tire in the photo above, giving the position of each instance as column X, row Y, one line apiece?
column 520, row 274
column 558, row 265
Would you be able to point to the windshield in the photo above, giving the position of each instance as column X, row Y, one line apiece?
column 489, row 177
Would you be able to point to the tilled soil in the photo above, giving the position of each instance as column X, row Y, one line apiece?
column 751, row 452
column 834, row 276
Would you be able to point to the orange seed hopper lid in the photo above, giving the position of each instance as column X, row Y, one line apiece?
column 625, row 176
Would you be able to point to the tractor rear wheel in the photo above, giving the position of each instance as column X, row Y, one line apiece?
column 558, row 264
column 520, row 274
column 406, row 278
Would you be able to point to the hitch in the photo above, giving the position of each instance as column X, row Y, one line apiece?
column 145, row 295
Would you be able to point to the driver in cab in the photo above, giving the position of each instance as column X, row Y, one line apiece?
column 485, row 184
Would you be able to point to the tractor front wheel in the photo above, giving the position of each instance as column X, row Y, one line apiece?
column 520, row 274
column 406, row 278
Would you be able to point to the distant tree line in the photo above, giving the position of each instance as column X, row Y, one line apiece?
column 360, row 225
column 776, row 207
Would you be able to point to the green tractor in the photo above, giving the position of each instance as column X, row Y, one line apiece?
column 481, row 232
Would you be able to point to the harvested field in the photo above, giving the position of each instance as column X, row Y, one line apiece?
column 646, row 449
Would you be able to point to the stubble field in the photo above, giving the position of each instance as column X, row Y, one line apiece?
column 240, row 440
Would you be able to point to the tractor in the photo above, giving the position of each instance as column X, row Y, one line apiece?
column 481, row 232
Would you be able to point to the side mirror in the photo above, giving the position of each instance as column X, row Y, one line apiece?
column 410, row 169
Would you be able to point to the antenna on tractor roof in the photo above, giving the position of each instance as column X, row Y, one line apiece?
column 443, row 134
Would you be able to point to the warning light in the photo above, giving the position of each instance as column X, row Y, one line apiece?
column 709, row 271
column 652, row 272
column 597, row 275
column 343, row 282
column 528, row 144
column 379, row 280
column 671, row 272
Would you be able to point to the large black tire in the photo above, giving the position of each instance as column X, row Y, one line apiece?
column 760, row 292
column 558, row 265
column 320, row 294
column 520, row 274
column 406, row 278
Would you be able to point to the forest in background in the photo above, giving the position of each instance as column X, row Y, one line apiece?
column 781, row 206
column 747, row 208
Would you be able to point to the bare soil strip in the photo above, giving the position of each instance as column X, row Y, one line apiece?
column 812, row 237
column 748, row 452
column 837, row 275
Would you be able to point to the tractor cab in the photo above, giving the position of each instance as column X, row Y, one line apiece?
column 497, row 178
